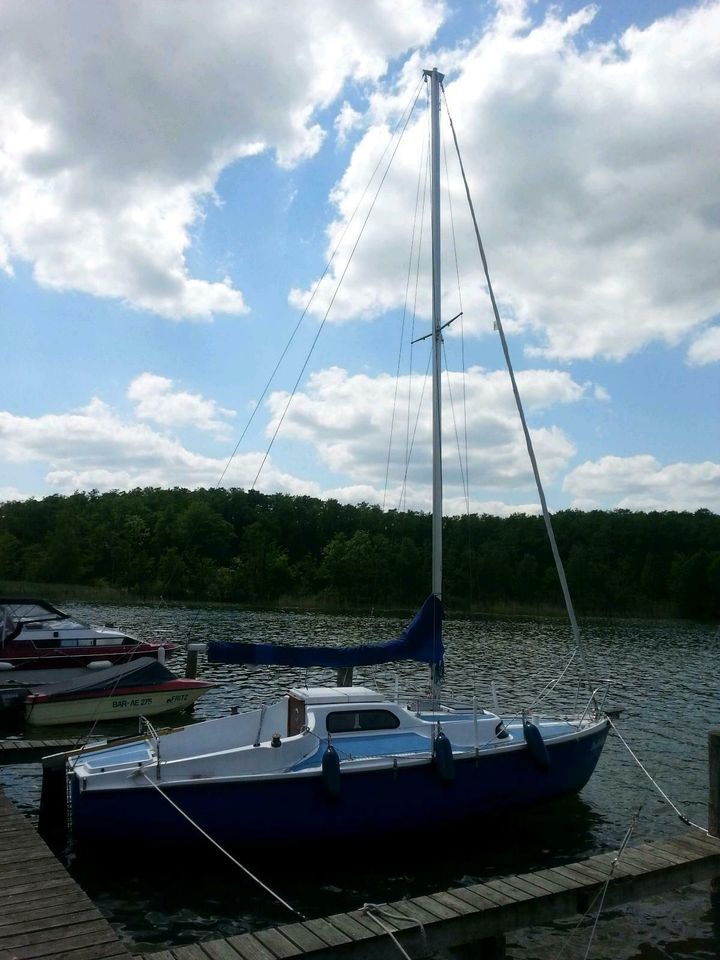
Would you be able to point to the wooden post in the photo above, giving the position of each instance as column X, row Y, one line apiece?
column 714, row 783
column 53, row 817
column 191, row 664
column 191, row 659
column 714, row 818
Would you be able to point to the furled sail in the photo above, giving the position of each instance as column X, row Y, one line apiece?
column 421, row 640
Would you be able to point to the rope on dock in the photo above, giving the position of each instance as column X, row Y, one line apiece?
column 376, row 912
column 600, row 895
column 222, row 850
column 666, row 798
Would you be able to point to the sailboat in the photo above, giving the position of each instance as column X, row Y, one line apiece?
column 324, row 764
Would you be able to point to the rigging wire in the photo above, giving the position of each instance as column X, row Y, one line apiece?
column 408, row 447
column 402, row 121
column 422, row 165
column 464, row 382
column 403, row 490
column 335, row 293
column 455, row 428
column 528, row 440
column 462, row 324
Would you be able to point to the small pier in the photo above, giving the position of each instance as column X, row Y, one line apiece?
column 32, row 751
column 44, row 914
column 481, row 914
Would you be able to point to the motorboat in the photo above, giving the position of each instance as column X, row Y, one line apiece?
column 41, row 644
column 142, row 687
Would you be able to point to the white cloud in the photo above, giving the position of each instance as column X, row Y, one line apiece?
column 342, row 421
column 116, row 119
column 347, row 421
column 94, row 448
column 347, row 120
column 11, row 493
column 705, row 348
column 156, row 400
column 642, row 483
column 593, row 171
column 601, row 394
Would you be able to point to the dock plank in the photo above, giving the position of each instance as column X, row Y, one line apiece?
column 330, row 934
column 218, row 950
column 85, row 928
column 31, row 751
column 498, row 893
column 250, row 948
column 441, row 910
column 461, row 907
column 432, row 923
column 303, row 937
column 472, row 897
column 413, row 910
column 192, row 951
column 350, row 927
column 278, row 943
column 44, row 914
column 48, row 906
column 50, row 923
column 547, row 883
column 526, row 885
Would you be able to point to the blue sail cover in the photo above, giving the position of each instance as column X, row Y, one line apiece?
column 421, row 640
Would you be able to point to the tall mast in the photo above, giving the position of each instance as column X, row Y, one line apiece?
column 435, row 80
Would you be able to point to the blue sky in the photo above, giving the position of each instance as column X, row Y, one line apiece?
column 174, row 176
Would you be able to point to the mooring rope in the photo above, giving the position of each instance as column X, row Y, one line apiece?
column 222, row 850
column 666, row 798
column 374, row 911
column 603, row 890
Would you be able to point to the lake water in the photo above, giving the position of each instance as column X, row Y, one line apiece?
column 663, row 675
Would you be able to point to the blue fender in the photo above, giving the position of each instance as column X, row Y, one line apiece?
column 331, row 773
column 536, row 745
column 444, row 761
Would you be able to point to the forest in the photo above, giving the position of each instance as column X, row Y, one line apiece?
column 245, row 547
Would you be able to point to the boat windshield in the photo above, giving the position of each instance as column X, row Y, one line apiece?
column 25, row 611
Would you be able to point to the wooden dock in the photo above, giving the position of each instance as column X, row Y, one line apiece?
column 44, row 914
column 484, row 912
column 32, row 751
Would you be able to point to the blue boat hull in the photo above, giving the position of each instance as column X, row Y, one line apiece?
column 369, row 803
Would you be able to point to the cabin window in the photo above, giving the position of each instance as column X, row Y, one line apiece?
column 347, row 721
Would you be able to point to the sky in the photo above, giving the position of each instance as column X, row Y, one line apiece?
column 209, row 275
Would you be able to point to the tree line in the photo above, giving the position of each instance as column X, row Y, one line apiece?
column 247, row 547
